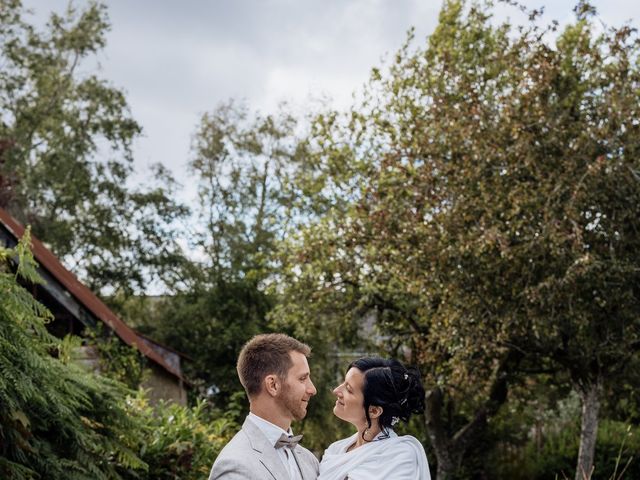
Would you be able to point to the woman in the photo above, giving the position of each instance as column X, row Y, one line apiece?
column 374, row 396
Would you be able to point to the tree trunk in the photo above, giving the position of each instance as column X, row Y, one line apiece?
column 438, row 435
column 444, row 471
column 450, row 450
column 590, row 395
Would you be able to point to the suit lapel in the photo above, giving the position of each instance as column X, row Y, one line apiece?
column 307, row 470
column 296, row 455
column 265, row 451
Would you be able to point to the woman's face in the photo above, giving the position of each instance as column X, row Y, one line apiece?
column 350, row 402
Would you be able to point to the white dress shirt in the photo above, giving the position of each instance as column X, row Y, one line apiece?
column 273, row 432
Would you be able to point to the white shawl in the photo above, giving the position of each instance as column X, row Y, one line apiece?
column 399, row 458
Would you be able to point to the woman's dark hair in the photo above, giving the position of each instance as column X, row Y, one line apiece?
column 392, row 386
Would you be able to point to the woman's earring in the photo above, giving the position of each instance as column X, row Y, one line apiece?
column 364, row 435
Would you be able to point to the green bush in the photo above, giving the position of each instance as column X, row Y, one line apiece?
column 556, row 458
column 612, row 454
column 117, row 360
column 180, row 442
column 61, row 422
column 56, row 420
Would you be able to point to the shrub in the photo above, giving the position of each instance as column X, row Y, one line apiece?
column 556, row 458
column 59, row 421
column 180, row 442
column 56, row 420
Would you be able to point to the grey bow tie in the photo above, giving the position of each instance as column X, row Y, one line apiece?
column 288, row 441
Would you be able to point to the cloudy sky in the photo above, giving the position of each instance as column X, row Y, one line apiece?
column 178, row 59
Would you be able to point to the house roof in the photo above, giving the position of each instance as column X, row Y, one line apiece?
column 87, row 298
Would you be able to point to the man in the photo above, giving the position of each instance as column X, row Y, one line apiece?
column 273, row 370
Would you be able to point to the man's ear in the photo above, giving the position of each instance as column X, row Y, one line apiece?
column 272, row 385
column 375, row 411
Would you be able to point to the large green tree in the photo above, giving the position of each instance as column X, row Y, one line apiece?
column 491, row 224
column 242, row 163
column 66, row 158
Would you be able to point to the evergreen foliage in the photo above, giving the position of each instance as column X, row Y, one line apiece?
column 57, row 421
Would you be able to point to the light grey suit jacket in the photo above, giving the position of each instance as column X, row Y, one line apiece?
column 250, row 456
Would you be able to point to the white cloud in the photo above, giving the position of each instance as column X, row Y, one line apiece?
column 176, row 60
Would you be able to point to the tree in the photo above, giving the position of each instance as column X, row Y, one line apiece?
column 60, row 421
column 243, row 163
column 491, row 217
column 57, row 421
column 65, row 155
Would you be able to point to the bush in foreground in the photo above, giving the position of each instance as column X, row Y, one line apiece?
column 58, row 421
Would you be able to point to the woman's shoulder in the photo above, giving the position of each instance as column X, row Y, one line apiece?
column 408, row 450
column 408, row 440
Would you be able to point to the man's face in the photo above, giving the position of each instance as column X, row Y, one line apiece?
column 297, row 388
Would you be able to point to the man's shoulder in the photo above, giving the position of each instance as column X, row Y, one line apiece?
column 235, row 460
column 238, row 447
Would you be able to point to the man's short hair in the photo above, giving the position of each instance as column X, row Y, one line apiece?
column 267, row 354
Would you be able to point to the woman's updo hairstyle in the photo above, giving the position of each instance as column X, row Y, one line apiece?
column 392, row 386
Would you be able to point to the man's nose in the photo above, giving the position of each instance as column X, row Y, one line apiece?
column 312, row 390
